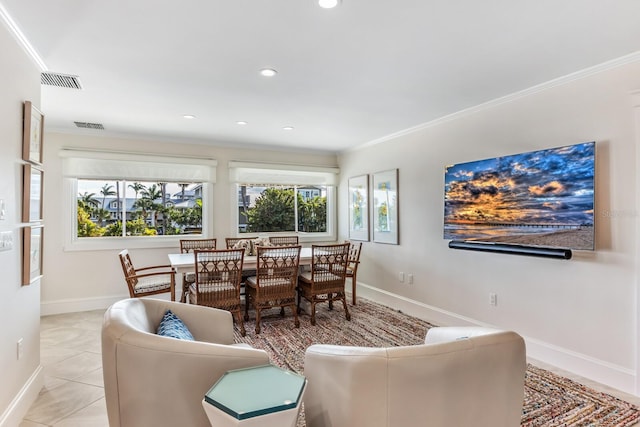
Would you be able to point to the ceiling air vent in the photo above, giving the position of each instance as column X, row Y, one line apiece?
column 86, row 125
column 60, row 80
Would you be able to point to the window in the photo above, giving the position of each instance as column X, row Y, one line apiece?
column 273, row 208
column 148, row 208
column 284, row 199
column 149, row 200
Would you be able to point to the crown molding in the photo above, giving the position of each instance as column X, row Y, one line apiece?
column 21, row 38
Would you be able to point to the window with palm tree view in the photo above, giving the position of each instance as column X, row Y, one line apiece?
column 121, row 208
column 274, row 208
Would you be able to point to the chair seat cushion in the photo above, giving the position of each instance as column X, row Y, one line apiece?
column 173, row 327
column 306, row 277
column 218, row 287
column 278, row 281
column 153, row 283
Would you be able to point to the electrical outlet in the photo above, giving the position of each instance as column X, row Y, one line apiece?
column 493, row 298
column 401, row 277
column 20, row 349
column 410, row 279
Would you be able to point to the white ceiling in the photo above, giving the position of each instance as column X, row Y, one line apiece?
column 346, row 76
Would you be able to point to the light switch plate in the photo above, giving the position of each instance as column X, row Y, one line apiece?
column 6, row 240
column 3, row 209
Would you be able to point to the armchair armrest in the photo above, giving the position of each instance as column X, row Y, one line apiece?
column 347, row 386
column 155, row 267
column 453, row 333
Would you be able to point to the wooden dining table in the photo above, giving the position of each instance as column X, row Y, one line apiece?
column 184, row 263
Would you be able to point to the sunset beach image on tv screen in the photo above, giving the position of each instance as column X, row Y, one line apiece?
column 541, row 198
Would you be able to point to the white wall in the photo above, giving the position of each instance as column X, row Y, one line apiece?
column 20, row 380
column 76, row 281
column 580, row 314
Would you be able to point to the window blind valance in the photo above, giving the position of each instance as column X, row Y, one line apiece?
column 271, row 173
column 136, row 166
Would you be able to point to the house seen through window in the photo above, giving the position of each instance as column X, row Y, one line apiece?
column 119, row 208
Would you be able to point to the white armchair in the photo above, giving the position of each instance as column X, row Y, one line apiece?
column 461, row 376
column 151, row 380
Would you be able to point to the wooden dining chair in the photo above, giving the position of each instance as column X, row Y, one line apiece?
column 188, row 246
column 218, row 279
column 283, row 240
column 325, row 282
column 275, row 282
column 352, row 267
column 145, row 281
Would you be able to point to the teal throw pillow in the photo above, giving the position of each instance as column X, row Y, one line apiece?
column 172, row 326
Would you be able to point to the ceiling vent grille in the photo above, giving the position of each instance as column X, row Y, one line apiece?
column 86, row 125
column 60, row 80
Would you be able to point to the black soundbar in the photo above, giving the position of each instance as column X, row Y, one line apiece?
column 506, row 248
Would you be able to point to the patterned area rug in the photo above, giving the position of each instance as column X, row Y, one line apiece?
column 550, row 400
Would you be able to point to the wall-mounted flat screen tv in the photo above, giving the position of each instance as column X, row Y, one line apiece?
column 541, row 198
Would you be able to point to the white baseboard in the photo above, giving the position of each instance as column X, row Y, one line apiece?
column 19, row 406
column 80, row 304
column 597, row 370
column 85, row 304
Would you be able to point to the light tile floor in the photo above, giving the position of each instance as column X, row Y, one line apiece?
column 73, row 392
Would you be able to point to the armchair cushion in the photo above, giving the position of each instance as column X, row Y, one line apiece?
column 172, row 326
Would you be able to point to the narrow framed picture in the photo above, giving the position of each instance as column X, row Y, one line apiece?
column 385, row 207
column 32, row 134
column 32, row 239
column 359, row 207
column 32, row 193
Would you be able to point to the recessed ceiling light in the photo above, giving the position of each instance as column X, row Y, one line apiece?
column 189, row 116
column 241, row 122
column 328, row 4
column 288, row 128
column 268, row 72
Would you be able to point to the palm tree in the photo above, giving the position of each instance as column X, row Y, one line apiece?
column 88, row 202
column 163, row 210
column 137, row 188
column 102, row 214
column 118, row 217
column 147, row 202
column 106, row 190
column 163, row 192
column 183, row 186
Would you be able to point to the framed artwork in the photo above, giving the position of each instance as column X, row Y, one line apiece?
column 385, row 207
column 32, row 254
column 359, row 207
column 32, row 134
column 32, row 194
